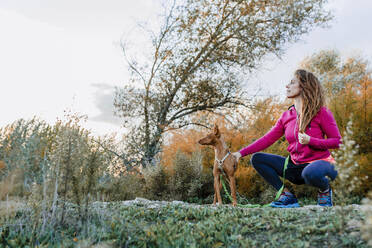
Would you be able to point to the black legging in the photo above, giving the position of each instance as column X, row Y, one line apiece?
column 270, row 167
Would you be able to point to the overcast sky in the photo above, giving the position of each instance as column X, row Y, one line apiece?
column 65, row 54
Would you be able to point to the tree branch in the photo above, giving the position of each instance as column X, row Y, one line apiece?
column 187, row 124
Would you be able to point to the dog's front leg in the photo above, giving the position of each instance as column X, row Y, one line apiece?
column 233, row 189
column 217, row 186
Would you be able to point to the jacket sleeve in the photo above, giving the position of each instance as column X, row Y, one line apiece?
column 265, row 141
column 330, row 129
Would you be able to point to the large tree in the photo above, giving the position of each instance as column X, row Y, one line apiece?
column 197, row 60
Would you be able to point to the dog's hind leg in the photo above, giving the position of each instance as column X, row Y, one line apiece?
column 215, row 190
column 219, row 179
column 215, row 196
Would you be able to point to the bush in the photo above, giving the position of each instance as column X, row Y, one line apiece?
column 187, row 180
column 11, row 184
column 367, row 227
column 122, row 188
column 346, row 182
column 156, row 186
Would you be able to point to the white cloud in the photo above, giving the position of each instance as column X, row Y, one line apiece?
column 46, row 69
column 104, row 101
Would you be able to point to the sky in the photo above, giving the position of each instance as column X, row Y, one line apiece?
column 65, row 55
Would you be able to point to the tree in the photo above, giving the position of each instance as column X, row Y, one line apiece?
column 197, row 61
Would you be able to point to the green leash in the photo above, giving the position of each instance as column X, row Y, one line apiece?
column 256, row 205
column 281, row 189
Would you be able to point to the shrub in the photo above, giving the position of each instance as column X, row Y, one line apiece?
column 347, row 167
column 11, row 185
column 156, row 186
column 187, row 180
column 22, row 147
column 367, row 227
column 125, row 187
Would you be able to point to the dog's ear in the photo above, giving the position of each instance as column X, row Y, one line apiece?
column 216, row 131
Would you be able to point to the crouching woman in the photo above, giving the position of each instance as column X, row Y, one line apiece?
column 311, row 131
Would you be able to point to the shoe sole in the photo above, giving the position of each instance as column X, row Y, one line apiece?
column 293, row 205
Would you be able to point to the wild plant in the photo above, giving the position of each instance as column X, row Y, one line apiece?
column 347, row 166
column 78, row 164
column 23, row 145
column 366, row 229
column 187, row 180
column 156, row 182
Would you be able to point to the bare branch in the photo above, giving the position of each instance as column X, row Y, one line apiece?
column 186, row 124
column 131, row 66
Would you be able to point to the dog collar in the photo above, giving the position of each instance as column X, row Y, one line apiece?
column 220, row 162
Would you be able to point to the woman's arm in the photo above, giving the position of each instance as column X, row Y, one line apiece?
column 329, row 127
column 265, row 141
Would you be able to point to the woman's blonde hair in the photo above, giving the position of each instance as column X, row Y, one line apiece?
column 312, row 97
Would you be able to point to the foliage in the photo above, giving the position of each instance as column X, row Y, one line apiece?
column 347, row 166
column 185, row 180
column 51, row 165
column 23, row 146
column 12, row 184
column 156, row 182
column 197, row 60
column 125, row 187
column 179, row 225
column 188, row 181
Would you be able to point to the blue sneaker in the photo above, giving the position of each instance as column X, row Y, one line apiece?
column 286, row 200
column 325, row 199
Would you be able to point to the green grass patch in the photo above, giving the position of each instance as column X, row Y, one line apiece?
column 175, row 225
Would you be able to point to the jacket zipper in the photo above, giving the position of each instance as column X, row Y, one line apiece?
column 294, row 132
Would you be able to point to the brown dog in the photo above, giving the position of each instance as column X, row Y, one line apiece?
column 224, row 163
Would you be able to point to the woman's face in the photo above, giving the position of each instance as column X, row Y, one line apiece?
column 293, row 88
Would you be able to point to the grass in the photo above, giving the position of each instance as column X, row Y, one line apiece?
column 116, row 224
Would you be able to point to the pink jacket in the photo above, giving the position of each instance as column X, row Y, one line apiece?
column 323, row 124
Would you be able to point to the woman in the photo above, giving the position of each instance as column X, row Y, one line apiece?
column 305, row 125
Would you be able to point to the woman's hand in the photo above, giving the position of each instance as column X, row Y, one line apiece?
column 237, row 155
column 303, row 138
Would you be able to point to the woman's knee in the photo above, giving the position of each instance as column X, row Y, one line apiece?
column 318, row 170
column 310, row 175
column 256, row 158
column 332, row 173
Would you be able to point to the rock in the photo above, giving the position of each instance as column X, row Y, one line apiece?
column 178, row 202
column 354, row 224
column 160, row 204
column 141, row 200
